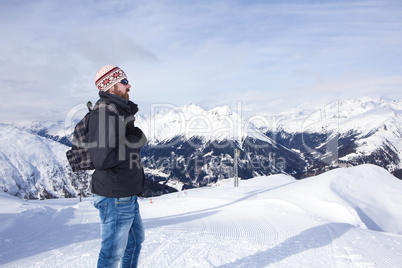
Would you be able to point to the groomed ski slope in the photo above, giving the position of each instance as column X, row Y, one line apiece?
column 343, row 218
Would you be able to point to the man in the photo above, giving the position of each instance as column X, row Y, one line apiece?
column 119, row 177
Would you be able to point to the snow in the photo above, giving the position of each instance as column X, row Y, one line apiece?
column 31, row 165
column 347, row 217
column 53, row 128
column 168, row 121
column 376, row 122
column 360, row 115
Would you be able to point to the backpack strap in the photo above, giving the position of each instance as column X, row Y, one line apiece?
column 89, row 105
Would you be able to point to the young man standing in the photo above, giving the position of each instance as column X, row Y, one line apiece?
column 119, row 177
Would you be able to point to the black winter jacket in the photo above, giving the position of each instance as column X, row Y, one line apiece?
column 114, row 148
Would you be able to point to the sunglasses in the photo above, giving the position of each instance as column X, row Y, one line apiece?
column 124, row 82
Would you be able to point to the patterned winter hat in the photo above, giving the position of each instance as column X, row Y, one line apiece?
column 108, row 76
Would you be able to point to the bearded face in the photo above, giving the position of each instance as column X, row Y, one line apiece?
column 121, row 90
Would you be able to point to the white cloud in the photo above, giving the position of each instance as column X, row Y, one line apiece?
column 267, row 55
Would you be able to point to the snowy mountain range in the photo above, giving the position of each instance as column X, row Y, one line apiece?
column 191, row 147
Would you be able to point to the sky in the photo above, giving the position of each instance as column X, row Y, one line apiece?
column 269, row 56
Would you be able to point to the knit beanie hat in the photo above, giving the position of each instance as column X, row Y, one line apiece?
column 108, row 76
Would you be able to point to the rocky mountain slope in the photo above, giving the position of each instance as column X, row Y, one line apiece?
column 192, row 147
column 35, row 167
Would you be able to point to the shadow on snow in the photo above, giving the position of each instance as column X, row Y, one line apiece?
column 312, row 238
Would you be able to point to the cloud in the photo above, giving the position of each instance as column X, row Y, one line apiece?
column 269, row 56
column 103, row 47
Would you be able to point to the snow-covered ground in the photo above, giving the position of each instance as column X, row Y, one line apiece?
column 343, row 218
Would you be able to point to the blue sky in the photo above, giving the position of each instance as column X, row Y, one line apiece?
column 272, row 56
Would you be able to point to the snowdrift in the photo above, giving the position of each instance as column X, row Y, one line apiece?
column 367, row 196
column 347, row 217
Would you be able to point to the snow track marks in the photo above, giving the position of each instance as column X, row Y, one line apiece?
column 203, row 241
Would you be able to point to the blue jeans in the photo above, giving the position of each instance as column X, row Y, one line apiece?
column 122, row 231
